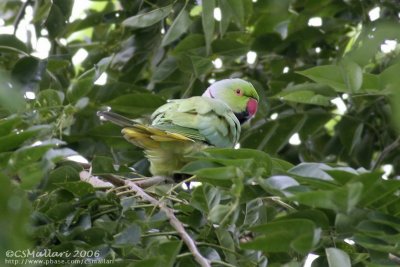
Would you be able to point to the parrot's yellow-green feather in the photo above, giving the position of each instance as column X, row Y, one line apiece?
column 149, row 137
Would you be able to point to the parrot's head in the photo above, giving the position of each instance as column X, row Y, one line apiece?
column 238, row 94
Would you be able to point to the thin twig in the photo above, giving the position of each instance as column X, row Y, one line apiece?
column 386, row 152
column 117, row 188
column 177, row 186
column 172, row 189
column 21, row 14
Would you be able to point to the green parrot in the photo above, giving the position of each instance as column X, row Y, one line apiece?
column 184, row 126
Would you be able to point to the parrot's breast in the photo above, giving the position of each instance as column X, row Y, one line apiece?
column 172, row 156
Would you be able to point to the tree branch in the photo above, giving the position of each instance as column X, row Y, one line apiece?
column 175, row 223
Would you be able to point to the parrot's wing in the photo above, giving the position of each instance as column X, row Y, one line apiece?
column 199, row 118
column 141, row 135
column 149, row 137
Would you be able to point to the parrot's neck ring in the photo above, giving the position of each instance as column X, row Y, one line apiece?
column 208, row 93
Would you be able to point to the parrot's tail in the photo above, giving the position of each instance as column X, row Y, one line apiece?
column 116, row 118
column 145, row 136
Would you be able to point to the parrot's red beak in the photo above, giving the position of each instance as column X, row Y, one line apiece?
column 250, row 111
column 252, row 106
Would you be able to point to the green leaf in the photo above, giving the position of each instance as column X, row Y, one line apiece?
column 102, row 165
column 29, row 154
column 81, row 87
column 55, row 21
column 389, row 78
column 222, row 176
column 274, row 134
column 314, row 170
column 136, row 104
column 190, row 44
column 242, row 158
column 201, row 65
column 165, row 69
column 153, row 262
column 169, row 250
column 93, row 236
column 218, row 213
column 345, row 77
column 280, row 166
column 301, row 235
column 56, row 155
column 226, row 18
column 50, row 98
column 11, row 97
column 229, row 47
column 237, row 8
column 78, row 188
column 306, row 97
column 178, row 27
column 195, row 165
column 8, row 124
column 60, row 211
column 371, row 82
column 278, row 183
column 8, row 40
column 31, row 174
column 208, row 22
column 393, row 221
column 352, row 75
column 128, row 237
column 28, row 71
column 147, row 19
column 328, row 75
column 43, row 11
column 14, row 140
column 395, row 103
column 62, row 175
column 205, row 197
column 16, row 210
column 195, row 65
column 319, row 218
column 340, row 200
column 374, row 244
column 337, row 258
column 225, row 239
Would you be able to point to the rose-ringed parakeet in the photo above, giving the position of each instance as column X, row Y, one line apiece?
column 184, row 126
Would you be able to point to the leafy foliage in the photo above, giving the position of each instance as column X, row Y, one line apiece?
column 270, row 202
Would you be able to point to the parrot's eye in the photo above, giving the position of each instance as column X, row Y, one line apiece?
column 238, row 92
